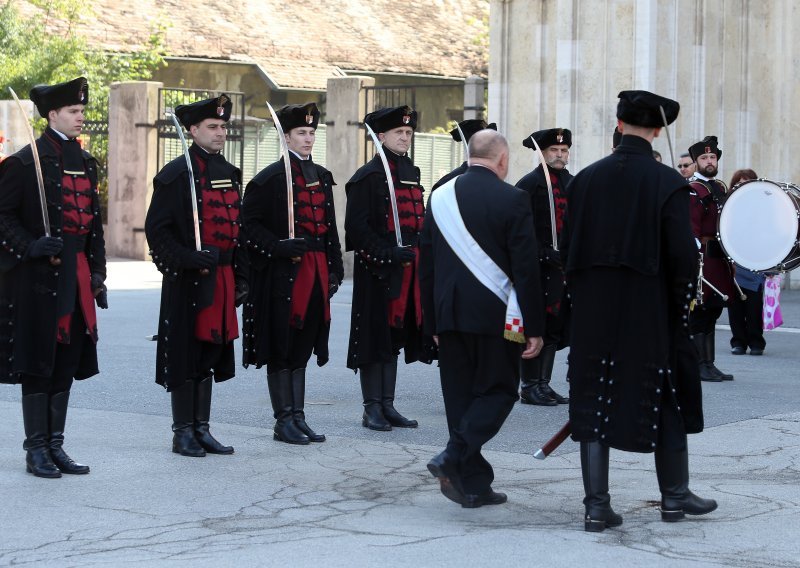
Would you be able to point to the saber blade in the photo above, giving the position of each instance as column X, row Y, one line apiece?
column 287, row 167
column 669, row 138
column 390, row 181
column 549, row 194
column 192, row 189
column 36, row 164
column 464, row 140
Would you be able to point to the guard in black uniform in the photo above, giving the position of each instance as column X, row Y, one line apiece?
column 535, row 374
column 197, row 322
column 386, row 313
column 468, row 127
column 287, row 314
column 631, row 264
column 49, row 284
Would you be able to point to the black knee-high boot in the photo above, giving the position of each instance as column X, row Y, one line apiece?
column 371, row 390
column 58, row 419
column 298, row 404
column 594, row 466
column 389, row 384
column 202, row 414
column 35, row 409
column 548, row 357
column 530, row 371
column 280, row 392
column 701, row 344
column 184, row 441
column 672, row 470
column 711, row 351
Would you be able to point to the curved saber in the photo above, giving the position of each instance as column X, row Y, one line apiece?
column 390, row 181
column 669, row 138
column 549, row 193
column 36, row 164
column 195, row 218
column 287, row 167
column 464, row 140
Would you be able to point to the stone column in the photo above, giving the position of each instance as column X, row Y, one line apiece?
column 132, row 163
column 12, row 125
column 345, row 140
column 474, row 99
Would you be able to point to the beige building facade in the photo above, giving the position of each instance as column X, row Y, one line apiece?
column 561, row 63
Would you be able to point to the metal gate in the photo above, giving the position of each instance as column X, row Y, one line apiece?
column 94, row 138
column 169, row 145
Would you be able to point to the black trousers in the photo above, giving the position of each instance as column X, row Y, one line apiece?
column 703, row 319
column 66, row 363
column 746, row 319
column 479, row 376
column 302, row 341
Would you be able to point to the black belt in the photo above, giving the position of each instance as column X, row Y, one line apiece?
column 315, row 244
column 225, row 257
column 410, row 239
column 74, row 241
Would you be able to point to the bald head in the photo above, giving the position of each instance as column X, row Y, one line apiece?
column 489, row 149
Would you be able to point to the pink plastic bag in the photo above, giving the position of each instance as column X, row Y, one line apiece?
column 772, row 307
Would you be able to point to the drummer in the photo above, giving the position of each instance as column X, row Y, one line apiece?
column 706, row 198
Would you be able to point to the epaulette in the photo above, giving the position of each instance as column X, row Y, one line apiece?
column 272, row 170
column 171, row 171
column 374, row 166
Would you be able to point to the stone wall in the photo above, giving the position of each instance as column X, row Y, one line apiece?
column 730, row 63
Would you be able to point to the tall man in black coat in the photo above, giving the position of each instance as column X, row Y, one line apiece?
column 535, row 374
column 197, row 321
column 287, row 313
column 49, row 285
column 479, row 367
column 631, row 263
column 386, row 313
column 469, row 127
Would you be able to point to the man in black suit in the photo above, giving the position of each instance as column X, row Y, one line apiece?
column 471, row 316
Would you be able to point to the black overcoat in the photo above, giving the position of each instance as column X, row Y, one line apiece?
column 184, row 292
column 630, row 264
column 551, row 268
column 267, row 308
column 376, row 279
column 28, row 288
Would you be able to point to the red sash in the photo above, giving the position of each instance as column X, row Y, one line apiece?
column 77, row 220
column 218, row 323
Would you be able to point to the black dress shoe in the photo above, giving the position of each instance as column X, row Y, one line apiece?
column 490, row 498
column 536, row 396
column 449, row 484
column 756, row 351
column 738, row 350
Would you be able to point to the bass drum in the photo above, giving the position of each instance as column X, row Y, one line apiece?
column 759, row 228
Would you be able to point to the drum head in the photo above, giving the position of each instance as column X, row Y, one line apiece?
column 758, row 225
